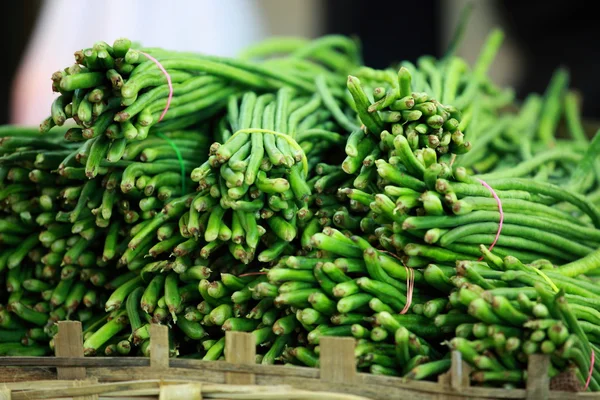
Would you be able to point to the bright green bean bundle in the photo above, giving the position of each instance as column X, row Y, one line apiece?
column 408, row 174
column 522, row 309
column 122, row 92
column 496, row 312
column 257, row 186
column 126, row 200
column 49, row 241
column 430, row 105
column 347, row 287
column 59, row 263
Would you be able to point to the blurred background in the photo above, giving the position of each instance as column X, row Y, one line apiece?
column 40, row 36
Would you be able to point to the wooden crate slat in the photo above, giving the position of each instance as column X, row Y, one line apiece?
column 459, row 372
column 337, row 360
column 538, row 382
column 16, row 374
column 159, row 346
column 113, row 374
column 69, row 343
column 303, row 372
column 74, row 361
column 240, row 348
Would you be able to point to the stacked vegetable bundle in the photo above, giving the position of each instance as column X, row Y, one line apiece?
column 258, row 180
column 283, row 236
column 136, row 201
column 506, row 309
column 42, row 251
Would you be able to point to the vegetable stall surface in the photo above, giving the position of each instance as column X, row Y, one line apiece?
column 295, row 193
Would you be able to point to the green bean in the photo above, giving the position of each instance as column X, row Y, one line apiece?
column 551, row 225
column 371, row 120
column 276, row 349
column 240, row 324
column 426, row 370
column 81, row 81
column 105, row 333
column 20, row 252
column 122, row 291
column 549, row 190
column 553, row 98
column 332, row 106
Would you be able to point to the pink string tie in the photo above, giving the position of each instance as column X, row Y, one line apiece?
column 488, row 187
column 169, row 83
column 587, row 382
column 410, row 284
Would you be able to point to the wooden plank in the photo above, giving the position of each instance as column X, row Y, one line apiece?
column 337, row 361
column 538, row 382
column 69, row 343
column 385, row 382
column 159, row 346
column 455, row 380
column 11, row 375
column 466, row 378
column 75, row 361
column 113, row 374
column 386, row 387
column 444, row 381
column 181, row 391
column 460, row 372
column 88, row 390
column 240, row 348
column 5, row 393
column 123, row 362
column 558, row 395
column 145, row 386
column 47, row 384
column 222, row 366
column 369, row 391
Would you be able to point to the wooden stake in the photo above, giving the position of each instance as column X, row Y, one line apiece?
column 445, row 380
column 159, row 346
column 538, row 382
column 69, row 343
column 460, row 372
column 240, row 348
column 337, row 360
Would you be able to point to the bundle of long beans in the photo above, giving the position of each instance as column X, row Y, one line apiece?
column 496, row 312
column 43, row 253
column 286, row 236
column 136, row 201
column 427, row 207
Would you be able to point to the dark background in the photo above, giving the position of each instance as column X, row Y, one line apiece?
column 550, row 33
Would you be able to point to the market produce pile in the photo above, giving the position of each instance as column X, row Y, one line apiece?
column 294, row 193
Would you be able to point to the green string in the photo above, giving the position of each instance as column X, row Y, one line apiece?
column 179, row 157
